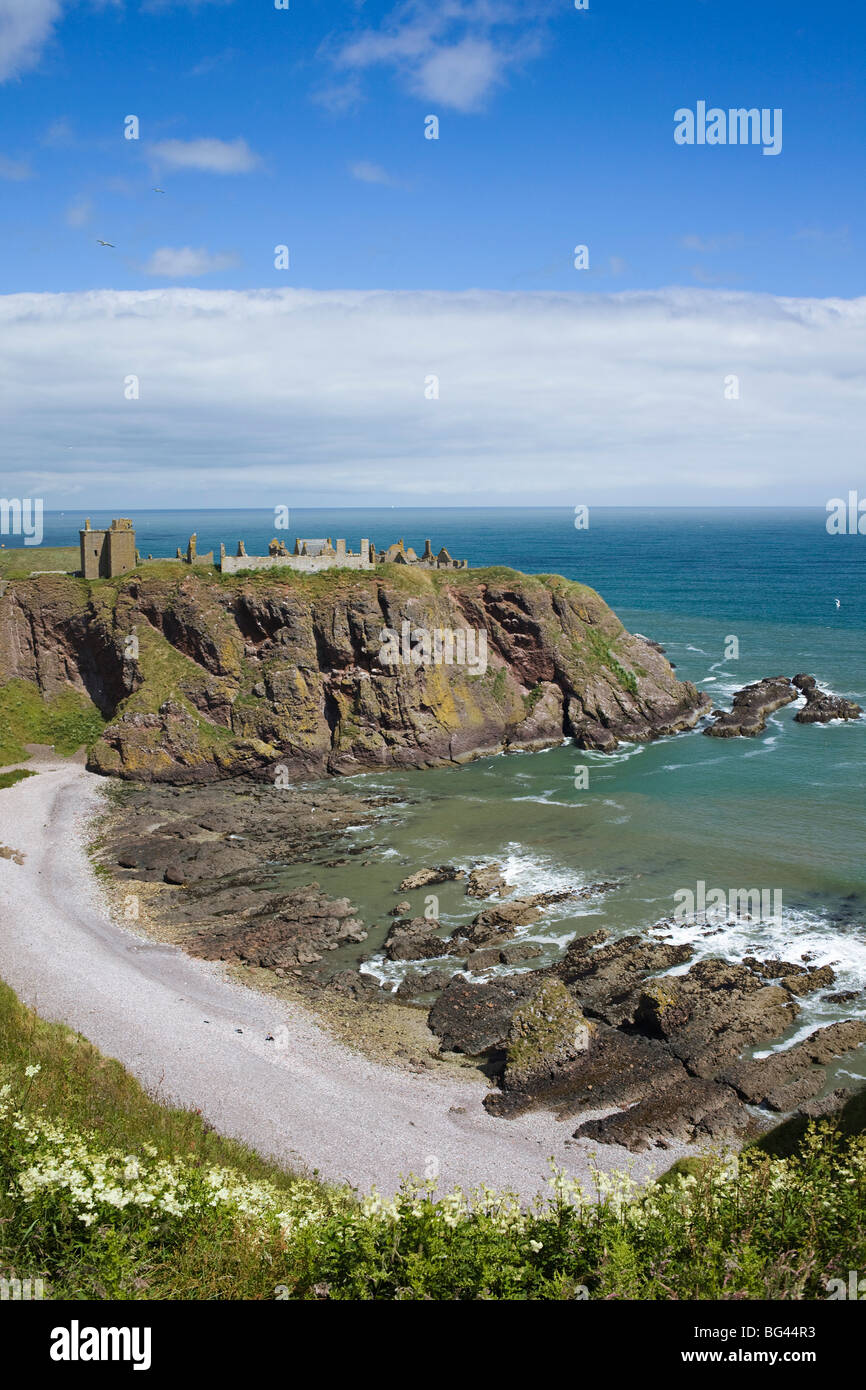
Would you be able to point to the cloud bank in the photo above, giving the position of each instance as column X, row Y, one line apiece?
column 265, row 397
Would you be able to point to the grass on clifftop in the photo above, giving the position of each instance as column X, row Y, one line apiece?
column 21, row 561
column 68, row 720
column 105, row 1193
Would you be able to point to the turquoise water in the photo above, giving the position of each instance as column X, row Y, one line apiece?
column 782, row 812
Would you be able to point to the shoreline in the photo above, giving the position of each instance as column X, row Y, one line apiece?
column 311, row 1103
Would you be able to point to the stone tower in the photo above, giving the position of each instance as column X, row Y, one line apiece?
column 108, row 553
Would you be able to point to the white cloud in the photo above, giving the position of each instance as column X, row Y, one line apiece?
column 59, row 133
column 461, row 74
column 79, row 212
column 252, row 398
column 25, row 28
column 182, row 262
column 708, row 245
column 454, row 53
column 366, row 172
column 15, row 170
column 211, row 155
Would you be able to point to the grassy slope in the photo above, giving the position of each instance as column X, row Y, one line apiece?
column 67, row 721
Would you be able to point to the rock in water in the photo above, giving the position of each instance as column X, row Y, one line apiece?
column 487, row 881
column 444, row 874
column 821, row 707
column 748, row 714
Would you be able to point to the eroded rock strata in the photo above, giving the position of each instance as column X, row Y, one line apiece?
column 263, row 677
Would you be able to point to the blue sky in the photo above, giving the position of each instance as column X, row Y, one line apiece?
column 558, row 132
column 416, row 260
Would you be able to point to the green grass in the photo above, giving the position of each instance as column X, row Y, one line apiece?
column 67, row 720
column 8, row 779
column 601, row 649
column 765, row 1228
column 23, row 560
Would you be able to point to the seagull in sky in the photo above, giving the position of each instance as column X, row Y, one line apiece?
column 106, row 243
column 159, row 190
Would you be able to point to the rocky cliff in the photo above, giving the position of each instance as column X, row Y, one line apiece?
column 200, row 677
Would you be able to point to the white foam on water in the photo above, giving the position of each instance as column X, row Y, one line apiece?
column 799, row 933
column 622, row 754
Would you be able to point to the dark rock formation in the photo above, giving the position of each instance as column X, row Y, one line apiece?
column 604, row 1030
column 416, row 982
column 414, row 938
column 474, row 1018
column 821, row 707
column 752, row 704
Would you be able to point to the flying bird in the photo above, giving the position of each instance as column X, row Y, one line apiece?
column 106, row 243
column 838, row 603
column 159, row 190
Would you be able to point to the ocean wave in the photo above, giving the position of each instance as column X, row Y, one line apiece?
column 802, row 937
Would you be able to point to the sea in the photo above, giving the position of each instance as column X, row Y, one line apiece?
column 733, row 595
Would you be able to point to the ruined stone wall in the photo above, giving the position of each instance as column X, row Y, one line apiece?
column 307, row 564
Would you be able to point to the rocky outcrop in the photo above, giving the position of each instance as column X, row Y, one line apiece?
column 751, row 705
column 606, row 1030
column 821, row 707
column 281, row 678
column 414, row 939
column 748, row 714
column 487, row 881
column 292, row 929
column 444, row 874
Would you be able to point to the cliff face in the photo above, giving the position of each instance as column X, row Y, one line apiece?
column 202, row 678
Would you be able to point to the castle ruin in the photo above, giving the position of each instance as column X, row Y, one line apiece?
column 311, row 556
column 105, row 554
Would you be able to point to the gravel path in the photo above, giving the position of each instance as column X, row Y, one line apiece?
column 196, row 1039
